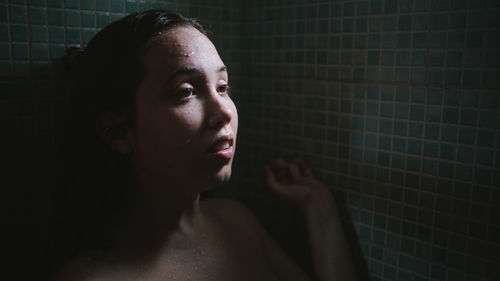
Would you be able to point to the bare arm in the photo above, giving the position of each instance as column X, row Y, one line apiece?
column 331, row 256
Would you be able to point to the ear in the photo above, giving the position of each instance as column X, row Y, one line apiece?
column 115, row 129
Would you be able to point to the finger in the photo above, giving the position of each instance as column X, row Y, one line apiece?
column 306, row 171
column 295, row 172
column 281, row 170
column 271, row 179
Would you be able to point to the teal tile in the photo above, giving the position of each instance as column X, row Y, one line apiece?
column 4, row 33
column 419, row 58
column 20, row 51
column 488, row 119
column 454, row 58
column 450, row 115
column 374, row 40
column 418, row 95
column 37, row 15
column 401, row 128
column 474, row 39
column 389, row 40
column 376, row 6
column 72, row 18
column 3, row 13
column 391, row 6
column 117, row 6
column 55, row 17
column 384, row 142
column 414, row 146
column 401, row 111
column 18, row 33
column 55, row 3
column 429, row 167
column 131, row 7
column 470, row 99
column 421, row 22
column 371, row 124
column 486, row 138
column 387, row 58
column 56, row 35
column 402, row 58
column 90, row 4
column 449, row 133
column 489, row 100
column 466, row 136
column 40, row 52
column 447, row 151
column 417, row 113
column 390, row 23
column 371, row 140
column 456, row 39
column 405, row 22
column 372, row 108
column 347, row 25
column 471, row 77
column 72, row 36
column 437, row 39
column 484, row 156
column 39, row 34
column 465, row 154
column 404, row 40
column 103, row 19
column 416, row 130
column 430, row 149
column 103, row 5
column 36, row 2
column 56, row 51
column 453, row 77
column 88, row 19
column 88, row 34
column 402, row 94
column 431, row 131
column 418, row 75
column 433, row 114
column 73, row 4
column 18, row 14
column 435, row 76
column 386, row 126
column 445, row 169
column 4, row 51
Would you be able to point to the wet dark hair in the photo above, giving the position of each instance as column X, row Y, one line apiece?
column 103, row 77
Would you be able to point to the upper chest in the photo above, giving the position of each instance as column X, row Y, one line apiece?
column 219, row 252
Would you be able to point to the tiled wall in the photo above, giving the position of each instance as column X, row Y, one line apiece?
column 395, row 104
column 33, row 97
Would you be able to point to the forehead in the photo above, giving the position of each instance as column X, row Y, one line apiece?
column 180, row 46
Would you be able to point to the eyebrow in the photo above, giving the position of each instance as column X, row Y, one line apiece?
column 192, row 70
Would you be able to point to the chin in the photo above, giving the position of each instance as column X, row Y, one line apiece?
column 218, row 178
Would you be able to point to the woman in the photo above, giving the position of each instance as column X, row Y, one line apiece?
column 157, row 92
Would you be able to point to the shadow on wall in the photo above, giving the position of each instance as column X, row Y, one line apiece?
column 31, row 117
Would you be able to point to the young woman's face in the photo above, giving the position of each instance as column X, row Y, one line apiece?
column 186, row 123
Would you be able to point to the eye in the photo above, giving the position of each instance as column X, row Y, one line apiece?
column 224, row 89
column 185, row 93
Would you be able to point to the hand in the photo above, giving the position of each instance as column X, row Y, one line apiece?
column 294, row 182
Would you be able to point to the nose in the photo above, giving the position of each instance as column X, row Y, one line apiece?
column 219, row 110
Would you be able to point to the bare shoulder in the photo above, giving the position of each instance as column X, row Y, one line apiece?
column 232, row 211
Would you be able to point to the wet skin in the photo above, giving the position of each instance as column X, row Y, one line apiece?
column 183, row 143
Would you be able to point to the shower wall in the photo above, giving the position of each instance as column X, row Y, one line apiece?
column 33, row 97
column 394, row 104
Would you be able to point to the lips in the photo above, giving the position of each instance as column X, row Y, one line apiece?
column 222, row 148
column 221, row 144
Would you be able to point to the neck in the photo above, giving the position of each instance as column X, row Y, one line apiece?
column 155, row 221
